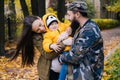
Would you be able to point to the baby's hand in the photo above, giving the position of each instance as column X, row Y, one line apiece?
column 55, row 47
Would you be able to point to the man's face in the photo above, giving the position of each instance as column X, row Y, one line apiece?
column 70, row 15
column 74, row 22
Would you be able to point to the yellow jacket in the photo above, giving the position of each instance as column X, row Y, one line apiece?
column 51, row 37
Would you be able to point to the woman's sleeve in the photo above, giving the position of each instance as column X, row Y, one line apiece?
column 46, row 42
column 38, row 39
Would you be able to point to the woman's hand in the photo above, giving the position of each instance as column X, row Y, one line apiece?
column 55, row 47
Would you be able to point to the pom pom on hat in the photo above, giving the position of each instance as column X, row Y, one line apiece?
column 50, row 19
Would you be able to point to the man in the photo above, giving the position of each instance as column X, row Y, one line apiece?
column 86, row 54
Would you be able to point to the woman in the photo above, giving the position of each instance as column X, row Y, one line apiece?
column 33, row 25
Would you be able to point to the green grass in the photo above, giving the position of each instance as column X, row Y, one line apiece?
column 106, row 23
column 112, row 67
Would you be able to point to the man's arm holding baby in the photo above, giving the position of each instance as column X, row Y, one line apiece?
column 64, row 37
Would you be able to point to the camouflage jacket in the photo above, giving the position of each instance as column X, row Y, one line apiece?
column 86, row 54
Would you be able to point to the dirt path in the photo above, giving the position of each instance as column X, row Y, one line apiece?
column 111, row 38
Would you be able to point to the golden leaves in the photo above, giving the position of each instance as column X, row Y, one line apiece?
column 13, row 70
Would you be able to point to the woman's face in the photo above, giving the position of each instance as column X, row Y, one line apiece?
column 38, row 26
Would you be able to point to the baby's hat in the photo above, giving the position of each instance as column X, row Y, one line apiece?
column 50, row 19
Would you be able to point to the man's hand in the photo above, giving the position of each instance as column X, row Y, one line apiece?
column 67, row 41
column 63, row 36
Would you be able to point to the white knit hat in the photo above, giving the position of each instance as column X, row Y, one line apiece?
column 50, row 19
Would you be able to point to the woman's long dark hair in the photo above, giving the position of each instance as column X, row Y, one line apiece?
column 25, row 44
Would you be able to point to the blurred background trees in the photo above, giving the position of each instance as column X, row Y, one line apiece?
column 115, row 7
column 24, row 8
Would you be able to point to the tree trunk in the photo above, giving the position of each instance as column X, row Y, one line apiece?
column 118, row 16
column 102, row 9
column 2, row 28
column 104, row 13
column 34, row 5
column 12, row 16
column 61, row 10
column 24, row 8
column 38, row 7
column 41, row 7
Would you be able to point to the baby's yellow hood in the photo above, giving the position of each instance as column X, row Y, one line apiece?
column 45, row 17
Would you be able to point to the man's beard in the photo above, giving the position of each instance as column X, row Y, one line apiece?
column 74, row 26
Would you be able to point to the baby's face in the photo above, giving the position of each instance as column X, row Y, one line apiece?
column 38, row 26
column 53, row 26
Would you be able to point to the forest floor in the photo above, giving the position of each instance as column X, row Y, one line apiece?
column 14, row 71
